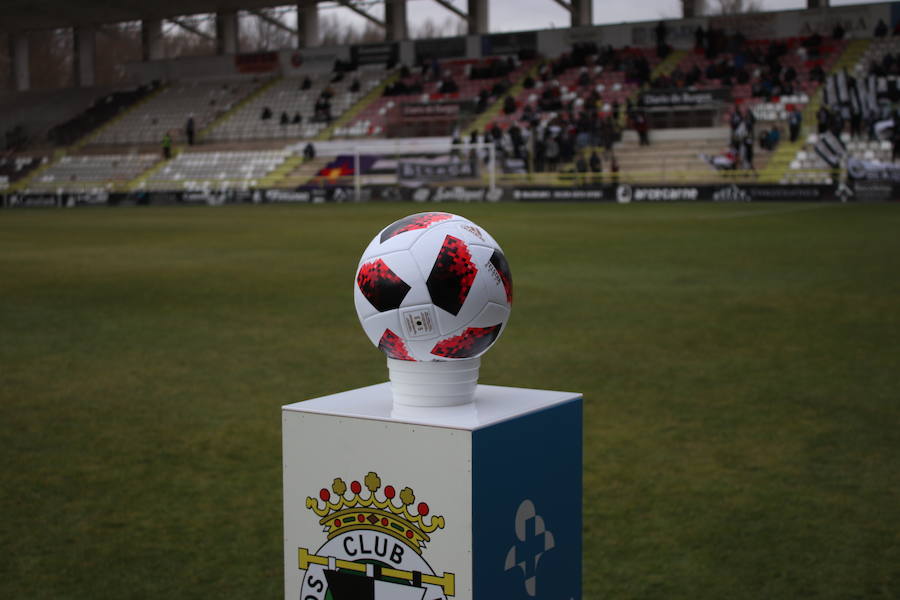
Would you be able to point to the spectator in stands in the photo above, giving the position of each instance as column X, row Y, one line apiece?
column 750, row 119
column 699, row 39
column 790, row 74
column 823, row 117
column 266, row 113
column 297, row 119
column 794, row 121
column 581, row 167
column 836, row 122
column 517, row 139
column 722, row 162
column 596, row 163
column 747, row 152
column 354, row 87
column 614, row 170
column 322, row 109
column 817, row 74
column 584, row 79
column 500, row 88
column 189, row 130
column 895, row 143
column 448, row 86
column 482, row 104
column 551, row 151
column 769, row 139
column 167, row 146
column 856, row 125
column 509, row 105
column 641, row 126
column 881, row 29
column 838, row 32
column 285, row 119
column 309, row 151
column 812, row 44
column 306, row 83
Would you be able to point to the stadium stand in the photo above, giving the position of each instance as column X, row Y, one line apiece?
column 288, row 97
column 13, row 169
column 547, row 116
column 459, row 83
column 168, row 110
column 26, row 117
column 585, row 77
column 193, row 170
column 101, row 111
column 91, row 172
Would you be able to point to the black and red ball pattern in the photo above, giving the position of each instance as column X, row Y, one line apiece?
column 452, row 275
column 391, row 344
column 499, row 262
column 381, row 286
column 413, row 222
column 471, row 342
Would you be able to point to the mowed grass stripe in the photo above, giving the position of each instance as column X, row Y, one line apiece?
column 739, row 363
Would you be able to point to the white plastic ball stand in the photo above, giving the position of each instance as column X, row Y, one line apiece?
column 469, row 492
column 433, row 384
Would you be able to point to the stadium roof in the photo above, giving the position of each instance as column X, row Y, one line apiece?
column 19, row 15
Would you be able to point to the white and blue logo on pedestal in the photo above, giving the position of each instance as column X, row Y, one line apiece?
column 526, row 479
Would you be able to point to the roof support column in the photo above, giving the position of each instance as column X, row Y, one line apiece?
column 227, row 32
column 690, row 8
column 395, row 20
column 582, row 13
column 307, row 23
column 478, row 16
column 151, row 39
column 85, row 48
column 18, row 55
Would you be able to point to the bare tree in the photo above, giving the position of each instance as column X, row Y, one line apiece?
column 50, row 58
column 259, row 35
column 117, row 45
column 449, row 27
column 729, row 7
column 178, row 41
column 332, row 32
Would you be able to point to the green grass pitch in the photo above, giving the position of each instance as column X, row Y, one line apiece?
column 740, row 365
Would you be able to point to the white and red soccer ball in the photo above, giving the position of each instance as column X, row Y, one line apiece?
column 433, row 286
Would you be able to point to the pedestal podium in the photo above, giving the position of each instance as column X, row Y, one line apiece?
column 474, row 502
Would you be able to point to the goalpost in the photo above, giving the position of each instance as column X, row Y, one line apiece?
column 412, row 147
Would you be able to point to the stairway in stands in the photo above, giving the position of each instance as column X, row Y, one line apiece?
column 237, row 107
column 481, row 121
column 351, row 113
column 295, row 172
column 665, row 67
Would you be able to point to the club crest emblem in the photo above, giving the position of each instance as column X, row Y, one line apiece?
column 374, row 548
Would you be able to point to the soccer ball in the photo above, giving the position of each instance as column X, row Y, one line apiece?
column 433, row 287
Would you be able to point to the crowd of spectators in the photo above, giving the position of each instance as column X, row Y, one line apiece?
column 731, row 60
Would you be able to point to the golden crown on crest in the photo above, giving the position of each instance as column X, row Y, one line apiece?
column 393, row 514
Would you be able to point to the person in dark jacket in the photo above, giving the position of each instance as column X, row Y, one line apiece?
column 189, row 130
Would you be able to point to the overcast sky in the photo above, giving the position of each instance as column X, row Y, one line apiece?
column 518, row 15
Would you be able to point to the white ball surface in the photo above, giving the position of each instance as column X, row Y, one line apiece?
column 433, row 286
